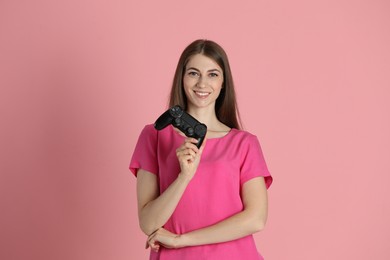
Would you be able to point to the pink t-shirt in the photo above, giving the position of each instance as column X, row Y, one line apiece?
column 214, row 192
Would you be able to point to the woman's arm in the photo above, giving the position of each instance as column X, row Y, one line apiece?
column 251, row 220
column 154, row 209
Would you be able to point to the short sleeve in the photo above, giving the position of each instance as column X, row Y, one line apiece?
column 145, row 152
column 253, row 162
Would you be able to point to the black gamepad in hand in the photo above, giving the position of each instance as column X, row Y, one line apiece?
column 183, row 121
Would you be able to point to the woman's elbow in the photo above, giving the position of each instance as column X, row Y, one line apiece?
column 146, row 227
column 258, row 225
column 145, row 223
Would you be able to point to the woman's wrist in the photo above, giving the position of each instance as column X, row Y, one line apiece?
column 182, row 241
column 186, row 178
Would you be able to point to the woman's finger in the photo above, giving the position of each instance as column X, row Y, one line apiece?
column 185, row 147
column 187, row 157
column 189, row 152
column 191, row 145
column 153, row 244
column 190, row 140
column 185, row 152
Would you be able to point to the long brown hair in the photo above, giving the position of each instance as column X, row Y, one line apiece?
column 226, row 104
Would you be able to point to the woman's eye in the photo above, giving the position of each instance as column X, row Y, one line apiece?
column 213, row 75
column 192, row 73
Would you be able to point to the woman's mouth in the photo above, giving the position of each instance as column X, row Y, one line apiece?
column 202, row 94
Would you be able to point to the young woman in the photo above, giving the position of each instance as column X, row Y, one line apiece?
column 202, row 203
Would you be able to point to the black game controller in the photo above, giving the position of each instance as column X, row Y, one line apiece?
column 184, row 121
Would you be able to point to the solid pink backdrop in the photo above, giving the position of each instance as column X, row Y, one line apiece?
column 80, row 79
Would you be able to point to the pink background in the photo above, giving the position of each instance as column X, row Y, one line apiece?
column 79, row 79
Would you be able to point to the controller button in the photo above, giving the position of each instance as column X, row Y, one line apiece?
column 176, row 111
column 190, row 131
column 177, row 122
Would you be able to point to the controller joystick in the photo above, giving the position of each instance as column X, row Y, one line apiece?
column 184, row 122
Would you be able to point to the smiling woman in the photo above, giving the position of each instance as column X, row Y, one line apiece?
column 225, row 105
column 207, row 202
column 202, row 82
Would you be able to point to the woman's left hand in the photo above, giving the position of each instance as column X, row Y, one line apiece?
column 164, row 238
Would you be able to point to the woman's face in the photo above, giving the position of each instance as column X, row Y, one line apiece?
column 202, row 80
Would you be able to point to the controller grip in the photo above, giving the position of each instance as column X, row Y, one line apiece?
column 200, row 130
column 163, row 121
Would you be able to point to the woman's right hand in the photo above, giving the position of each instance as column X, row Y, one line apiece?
column 189, row 156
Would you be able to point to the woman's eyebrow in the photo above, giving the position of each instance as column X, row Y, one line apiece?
column 212, row 70
column 192, row 68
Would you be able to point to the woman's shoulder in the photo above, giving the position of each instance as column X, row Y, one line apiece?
column 148, row 131
column 242, row 134
column 240, row 138
column 149, row 128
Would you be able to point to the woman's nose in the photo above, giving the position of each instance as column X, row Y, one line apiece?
column 201, row 82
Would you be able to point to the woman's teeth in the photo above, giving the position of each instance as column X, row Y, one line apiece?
column 202, row 94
